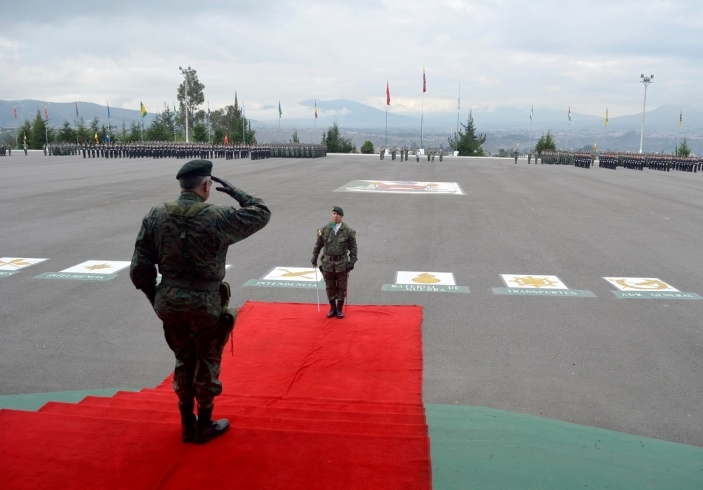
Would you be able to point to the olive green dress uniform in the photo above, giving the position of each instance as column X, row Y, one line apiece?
column 188, row 240
column 339, row 257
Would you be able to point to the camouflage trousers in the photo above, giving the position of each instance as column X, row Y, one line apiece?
column 191, row 322
column 336, row 284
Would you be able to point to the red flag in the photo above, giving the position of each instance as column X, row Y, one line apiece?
column 388, row 94
column 226, row 139
column 46, row 112
column 424, row 80
column 14, row 109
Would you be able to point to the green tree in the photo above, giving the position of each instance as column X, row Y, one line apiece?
column 295, row 138
column 335, row 142
column 83, row 132
column 683, row 150
column 466, row 141
column 367, row 147
column 135, row 132
column 158, row 130
column 38, row 135
column 230, row 121
column 195, row 99
column 200, row 133
column 66, row 134
column 545, row 143
column 124, row 135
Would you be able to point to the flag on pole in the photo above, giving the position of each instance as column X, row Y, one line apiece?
column 143, row 109
column 14, row 109
column 46, row 112
column 315, row 109
column 532, row 110
column 680, row 119
column 280, row 112
column 108, row 109
column 25, row 138
column 606, row 117
column 77, row 114
column 226, row 139
column 107, row 138
column 569, row 114
column 388, row 94
column 424, row 81
column 96, row 136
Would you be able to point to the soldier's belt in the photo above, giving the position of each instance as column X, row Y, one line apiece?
column 194, row 285
column 335, row 257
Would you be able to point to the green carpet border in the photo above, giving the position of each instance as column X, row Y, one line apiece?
column 484, row 448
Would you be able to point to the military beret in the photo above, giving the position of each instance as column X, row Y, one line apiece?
column 338, row 210
column 195, row 168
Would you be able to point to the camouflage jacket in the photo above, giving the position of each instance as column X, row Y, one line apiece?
column 335, row 245
column 198, row 252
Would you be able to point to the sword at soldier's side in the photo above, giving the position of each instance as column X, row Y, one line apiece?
column 346, row 301
column 317, row 288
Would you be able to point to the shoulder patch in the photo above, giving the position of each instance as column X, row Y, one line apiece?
column 319, row 232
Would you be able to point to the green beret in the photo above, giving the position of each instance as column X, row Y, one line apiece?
column 338, row 210
column 195, row 168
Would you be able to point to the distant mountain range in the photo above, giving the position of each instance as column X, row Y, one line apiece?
column 354, row 115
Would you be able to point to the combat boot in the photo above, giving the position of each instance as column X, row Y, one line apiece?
column 188, row 420
column 340, row 311
column 333, row 309
column 206, row 428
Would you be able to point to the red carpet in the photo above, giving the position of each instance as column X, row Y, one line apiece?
column 314, row 404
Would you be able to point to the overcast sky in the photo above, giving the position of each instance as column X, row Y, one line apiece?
column 585, row 54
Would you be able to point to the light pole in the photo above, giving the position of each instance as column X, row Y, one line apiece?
column 646, row 81
column 185, row 93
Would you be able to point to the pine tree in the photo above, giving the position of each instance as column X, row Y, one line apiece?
column 467, row 142
column 335, row 142
column 683, row 150
column 545, row 143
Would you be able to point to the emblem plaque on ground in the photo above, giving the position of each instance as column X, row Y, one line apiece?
column 429, row 282
column 12, row 265
column 290, row 277
column 647, row 288
column 90, row 270
column 402, row 187
column 538, row 285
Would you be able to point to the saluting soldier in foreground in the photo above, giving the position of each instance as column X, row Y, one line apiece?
column 188, row 239
column 338, row 240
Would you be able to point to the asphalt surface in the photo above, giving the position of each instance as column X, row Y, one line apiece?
column 632, row 365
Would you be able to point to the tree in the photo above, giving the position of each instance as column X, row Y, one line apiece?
column 367, row 147
column 200, row 133
column 230, row 121
column 295, row 138
column 66, row 134
column 83, row 132
column 195, row 99
column 335, row 142
column 38, row 134
column 683, row 150
column 135, row 132
column 466, row 141
column 545, row 143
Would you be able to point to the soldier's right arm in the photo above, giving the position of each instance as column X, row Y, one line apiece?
column 242, row 223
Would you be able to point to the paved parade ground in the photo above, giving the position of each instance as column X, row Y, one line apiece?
column 508, row 262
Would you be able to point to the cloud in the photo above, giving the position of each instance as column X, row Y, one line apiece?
column 504, row 52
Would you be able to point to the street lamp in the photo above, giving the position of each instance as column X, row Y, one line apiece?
column 185, row 75
column 646, row 81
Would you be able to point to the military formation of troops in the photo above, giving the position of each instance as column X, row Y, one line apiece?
column 632, row 161
column 5, row 150
column 431, row 152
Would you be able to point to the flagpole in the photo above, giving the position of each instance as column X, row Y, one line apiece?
column 422, row 120
column 458, row 108
column 386, row 143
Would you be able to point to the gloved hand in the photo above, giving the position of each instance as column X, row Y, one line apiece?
column 314, row 263
column 227, row 187
column 350, row 266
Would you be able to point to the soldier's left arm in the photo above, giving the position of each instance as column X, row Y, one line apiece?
column 142, row 271
column 351, row 245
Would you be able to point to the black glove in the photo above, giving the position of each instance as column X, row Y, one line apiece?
column 350, row 266
column 314, row 262
column 227, row 189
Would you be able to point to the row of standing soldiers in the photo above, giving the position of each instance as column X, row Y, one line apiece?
column 652, row 161
column 404, row 153
column 297, row 150
column 159, row 150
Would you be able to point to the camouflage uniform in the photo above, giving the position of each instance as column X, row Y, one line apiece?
column 335, row 259
column 190, row 311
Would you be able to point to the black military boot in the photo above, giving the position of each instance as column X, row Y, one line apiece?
column 340, row 311
column 333, row 309
column 206, row 428
column 188, row 419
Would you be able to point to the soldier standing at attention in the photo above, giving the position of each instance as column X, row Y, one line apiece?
column 188, row 239
column 338, row 240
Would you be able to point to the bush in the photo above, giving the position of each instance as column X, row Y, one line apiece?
column 367, row 147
